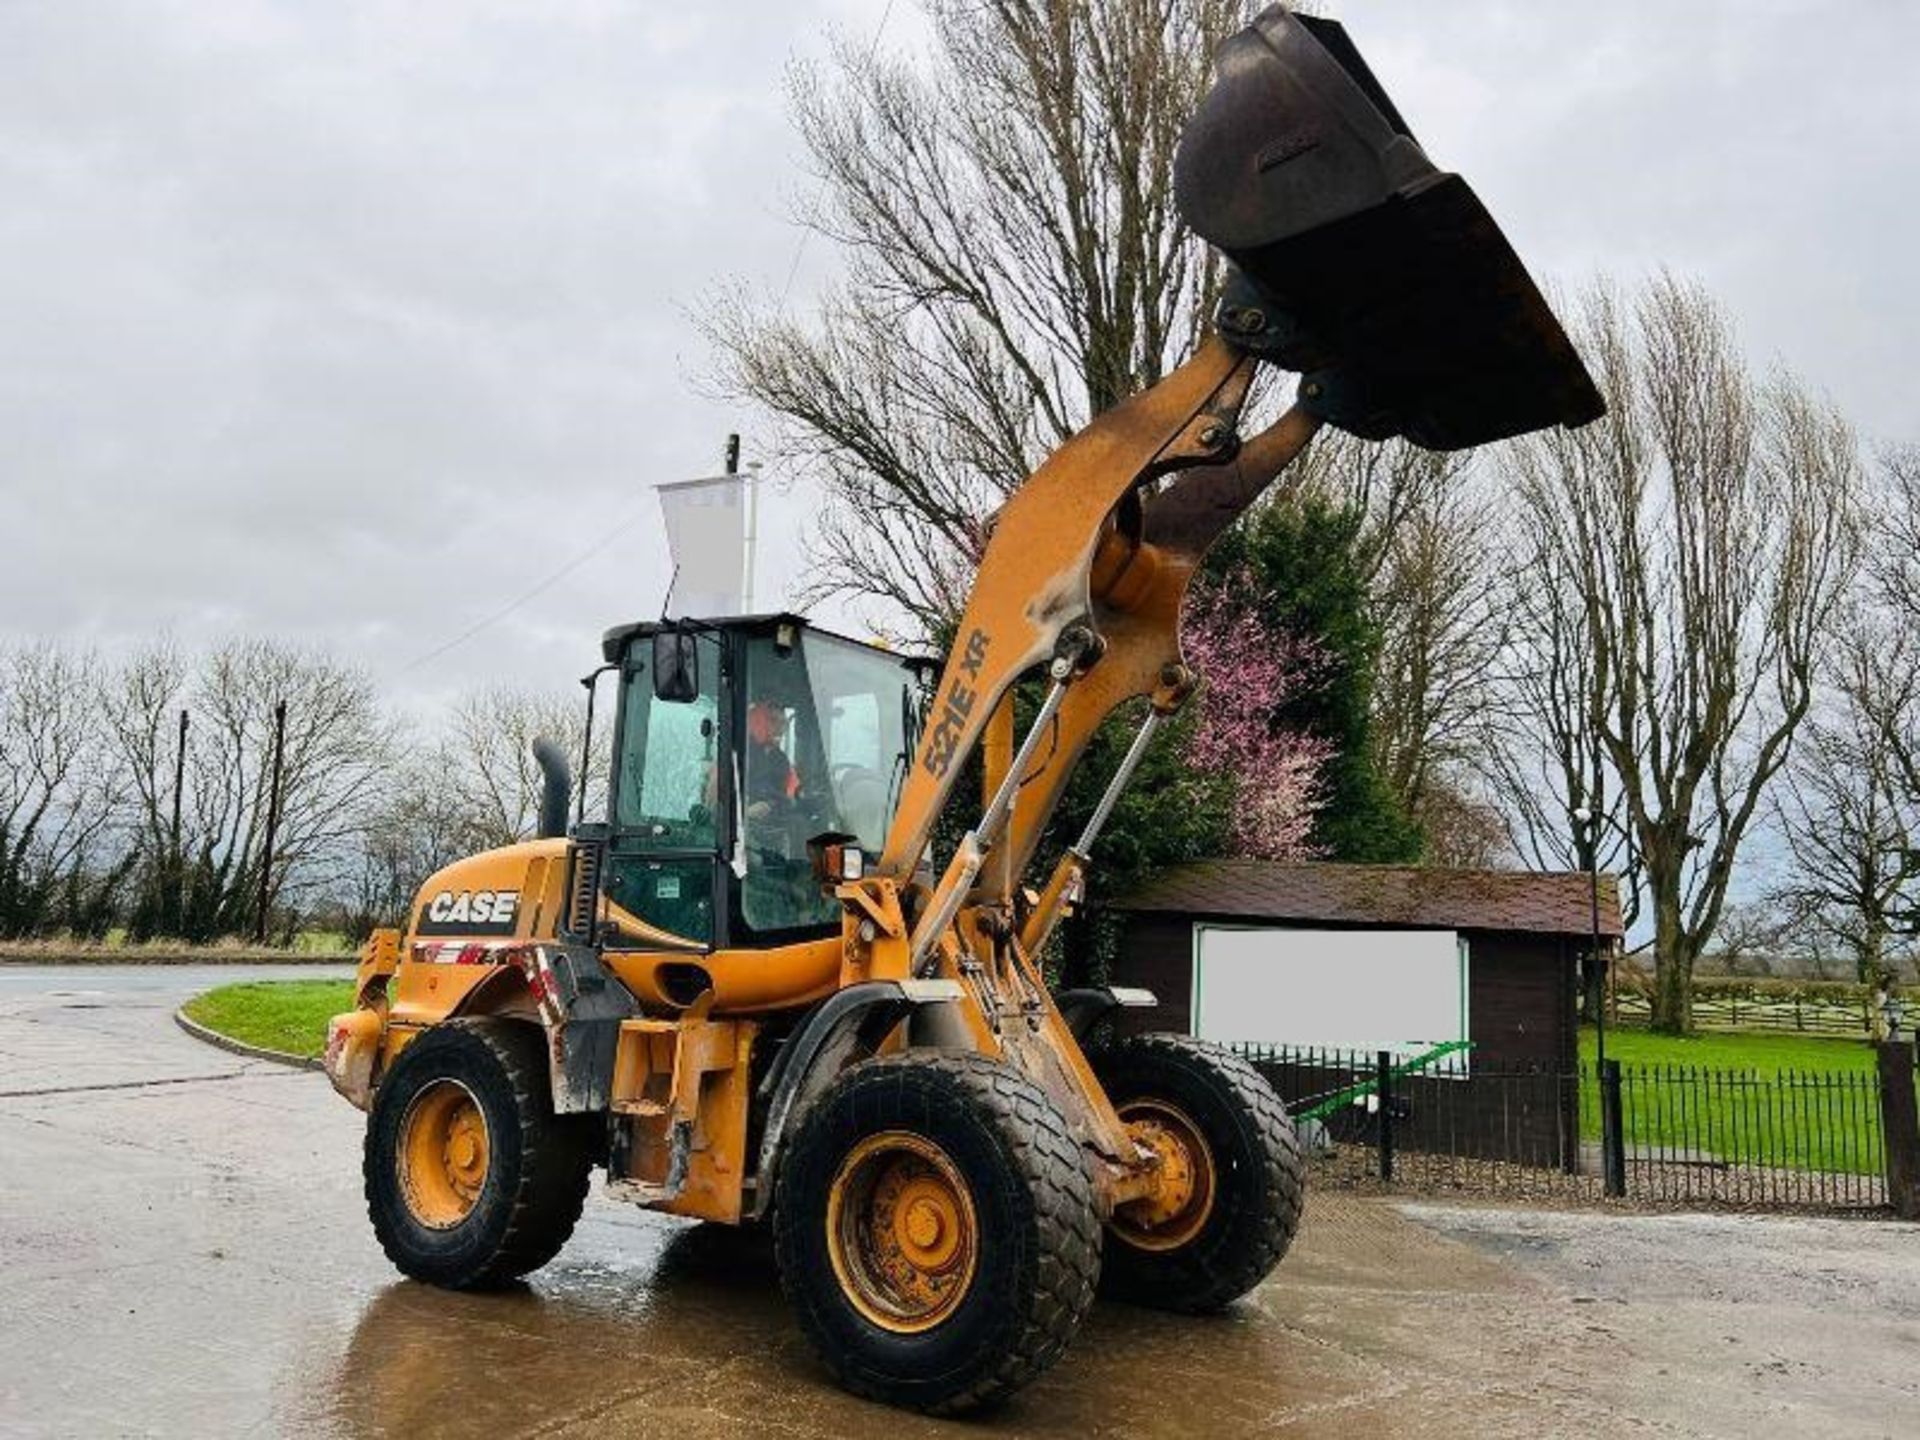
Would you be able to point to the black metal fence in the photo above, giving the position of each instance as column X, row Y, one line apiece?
column 1666, row 1134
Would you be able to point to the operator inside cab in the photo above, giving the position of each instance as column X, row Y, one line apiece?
column 772, row 784
column 780, row 890
column 712, row 808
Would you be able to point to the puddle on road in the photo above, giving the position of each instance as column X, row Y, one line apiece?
column 696, row 1339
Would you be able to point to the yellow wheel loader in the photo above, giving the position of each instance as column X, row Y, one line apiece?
column 748, row 994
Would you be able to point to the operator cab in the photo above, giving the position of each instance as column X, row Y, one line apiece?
column 737, row 741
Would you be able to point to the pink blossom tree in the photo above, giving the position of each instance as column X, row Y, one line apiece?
column 1246, row 671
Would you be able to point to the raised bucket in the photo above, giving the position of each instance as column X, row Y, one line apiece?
column 1359, row 262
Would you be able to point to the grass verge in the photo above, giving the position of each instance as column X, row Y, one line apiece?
column 285, row 1015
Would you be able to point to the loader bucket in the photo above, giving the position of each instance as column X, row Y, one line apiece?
column 1359, row 263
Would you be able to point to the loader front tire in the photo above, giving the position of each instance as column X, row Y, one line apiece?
column 936, row 1230
column 471, row 1179
column 1228, row 1141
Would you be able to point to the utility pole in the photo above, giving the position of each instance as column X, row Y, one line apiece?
column 273, row 821
column 176, row 902
column 1613, row 1148
column 1590, row 822
column 750, row 531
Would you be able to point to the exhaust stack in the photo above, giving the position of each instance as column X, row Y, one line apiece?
column 1361, row 264
column 556, row 786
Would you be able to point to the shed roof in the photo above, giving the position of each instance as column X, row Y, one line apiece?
column 1522, row 901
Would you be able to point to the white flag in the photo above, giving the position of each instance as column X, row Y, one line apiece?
column 707, row 535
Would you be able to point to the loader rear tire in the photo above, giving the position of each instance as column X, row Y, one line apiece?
column 936, row 1230
column 472, row 1181
column 1243, row 1174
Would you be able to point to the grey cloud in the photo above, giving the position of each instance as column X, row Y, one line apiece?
column 349, row 322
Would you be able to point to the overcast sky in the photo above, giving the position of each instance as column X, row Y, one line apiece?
column 352, row 322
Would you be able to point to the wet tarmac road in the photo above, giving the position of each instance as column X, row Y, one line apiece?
column 184, row 1252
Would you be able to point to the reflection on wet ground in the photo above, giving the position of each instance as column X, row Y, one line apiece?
column 192, row 1257
column 685, row 1332
column 702, row 1316
column 699, row 1343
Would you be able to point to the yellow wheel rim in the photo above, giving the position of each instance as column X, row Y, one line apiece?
column 1177, row 1208
column 443, row 1153
column 901, row 1232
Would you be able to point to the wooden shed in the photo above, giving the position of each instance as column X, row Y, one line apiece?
column 1286, row 958
column 1267, row 947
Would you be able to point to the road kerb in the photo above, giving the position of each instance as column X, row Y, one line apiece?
column 241, row 1047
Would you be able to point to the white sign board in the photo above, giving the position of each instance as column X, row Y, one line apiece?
column 707, row 535
column 1367, row 990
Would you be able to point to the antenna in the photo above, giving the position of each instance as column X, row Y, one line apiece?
column 667, row 597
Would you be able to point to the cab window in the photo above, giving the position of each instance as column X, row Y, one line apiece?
column 666, row 834
column 669, row 757
column 825, row 748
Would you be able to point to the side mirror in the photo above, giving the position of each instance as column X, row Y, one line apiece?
column 676, row 666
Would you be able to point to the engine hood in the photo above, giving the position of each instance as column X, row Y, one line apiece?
column 510, row 893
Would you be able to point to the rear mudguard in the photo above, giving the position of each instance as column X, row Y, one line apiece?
column 579, row 1006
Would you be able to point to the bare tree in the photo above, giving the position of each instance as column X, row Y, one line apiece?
column 1540, row 752
column 1851, row 809
column 337, row 749
column 417, row 827
column 1395, row 484
column 141, row 701
column 1847, row 816
column 1441, row 628
column 1894, row 599
column 486, row 768
column 57, row 791
column 1893, row 567
column 1706, row 530
column 1016, row 266
column 1755, row 935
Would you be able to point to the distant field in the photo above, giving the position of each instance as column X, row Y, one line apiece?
column 286, row 1015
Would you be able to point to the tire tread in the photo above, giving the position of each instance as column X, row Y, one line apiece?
column 555, row 1169
column 1069, row 1231
column 1266, row 1234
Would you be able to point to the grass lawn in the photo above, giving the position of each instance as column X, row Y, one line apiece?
column 289, row 1015
column 1787, row 1101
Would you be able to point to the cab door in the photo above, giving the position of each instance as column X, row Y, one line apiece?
column 671, row 789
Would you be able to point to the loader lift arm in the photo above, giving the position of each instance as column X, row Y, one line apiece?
column 1086, row 570
column 1353, row 260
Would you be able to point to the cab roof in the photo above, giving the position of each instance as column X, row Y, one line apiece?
column 614, row 643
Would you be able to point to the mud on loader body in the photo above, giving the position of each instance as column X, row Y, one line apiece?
column 748, row 996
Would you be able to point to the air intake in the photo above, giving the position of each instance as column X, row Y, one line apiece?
column 586, row 860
